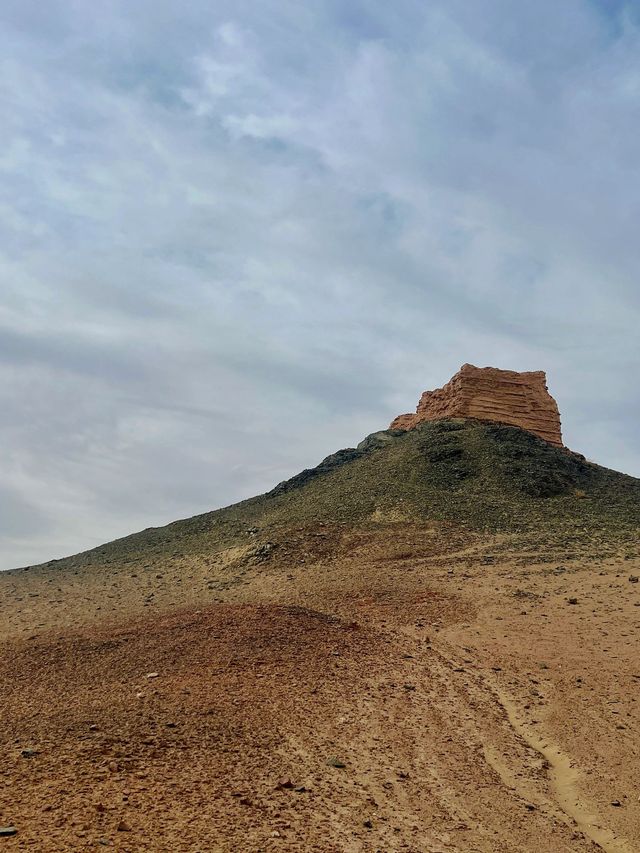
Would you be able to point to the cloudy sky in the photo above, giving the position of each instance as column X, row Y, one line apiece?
column 237, row 236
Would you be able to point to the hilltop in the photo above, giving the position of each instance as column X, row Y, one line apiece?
column 500, row 396
column 427, row 642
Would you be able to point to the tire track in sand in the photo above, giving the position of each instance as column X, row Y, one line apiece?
column 563, row 777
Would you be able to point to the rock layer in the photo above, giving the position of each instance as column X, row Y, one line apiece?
column 489, row 394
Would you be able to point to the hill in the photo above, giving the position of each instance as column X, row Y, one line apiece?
column 478, row 475
column 425, row 643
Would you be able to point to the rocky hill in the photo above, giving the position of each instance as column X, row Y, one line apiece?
column 426, row 643
column 478, row 476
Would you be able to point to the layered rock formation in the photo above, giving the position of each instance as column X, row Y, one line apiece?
column 489, row 394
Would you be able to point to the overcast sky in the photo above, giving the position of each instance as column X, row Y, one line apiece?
column 237, row 236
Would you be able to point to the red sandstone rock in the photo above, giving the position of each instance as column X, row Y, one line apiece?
column 489, row 394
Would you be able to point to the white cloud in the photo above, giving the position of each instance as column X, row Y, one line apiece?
column 236, row 239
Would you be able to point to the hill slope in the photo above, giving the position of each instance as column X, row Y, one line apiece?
column 449, row 612
column 478, row 475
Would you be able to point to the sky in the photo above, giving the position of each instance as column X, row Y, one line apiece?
column 238, row 236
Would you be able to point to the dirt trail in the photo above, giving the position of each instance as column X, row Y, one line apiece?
column 560, row 769
column 563, row 776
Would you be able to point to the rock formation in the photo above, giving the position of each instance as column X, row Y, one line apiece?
column 489, row 394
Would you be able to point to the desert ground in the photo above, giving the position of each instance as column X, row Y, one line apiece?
column 405, row 688
column 427, row 643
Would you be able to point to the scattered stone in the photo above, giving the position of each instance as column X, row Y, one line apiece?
column 285, row 782
column 6, row 831
column 152, row 675
column 409, row 687
column 123, row 826
column 28, row 753
column 335, row 762
column 262, row 552
column 633, row 578
column 616, row 803
column 93, row 727
column 572, row 601
column 368, row 824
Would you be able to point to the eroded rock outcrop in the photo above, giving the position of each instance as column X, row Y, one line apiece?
column 489, row 394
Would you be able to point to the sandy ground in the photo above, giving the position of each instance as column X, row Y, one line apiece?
column 404, row 689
